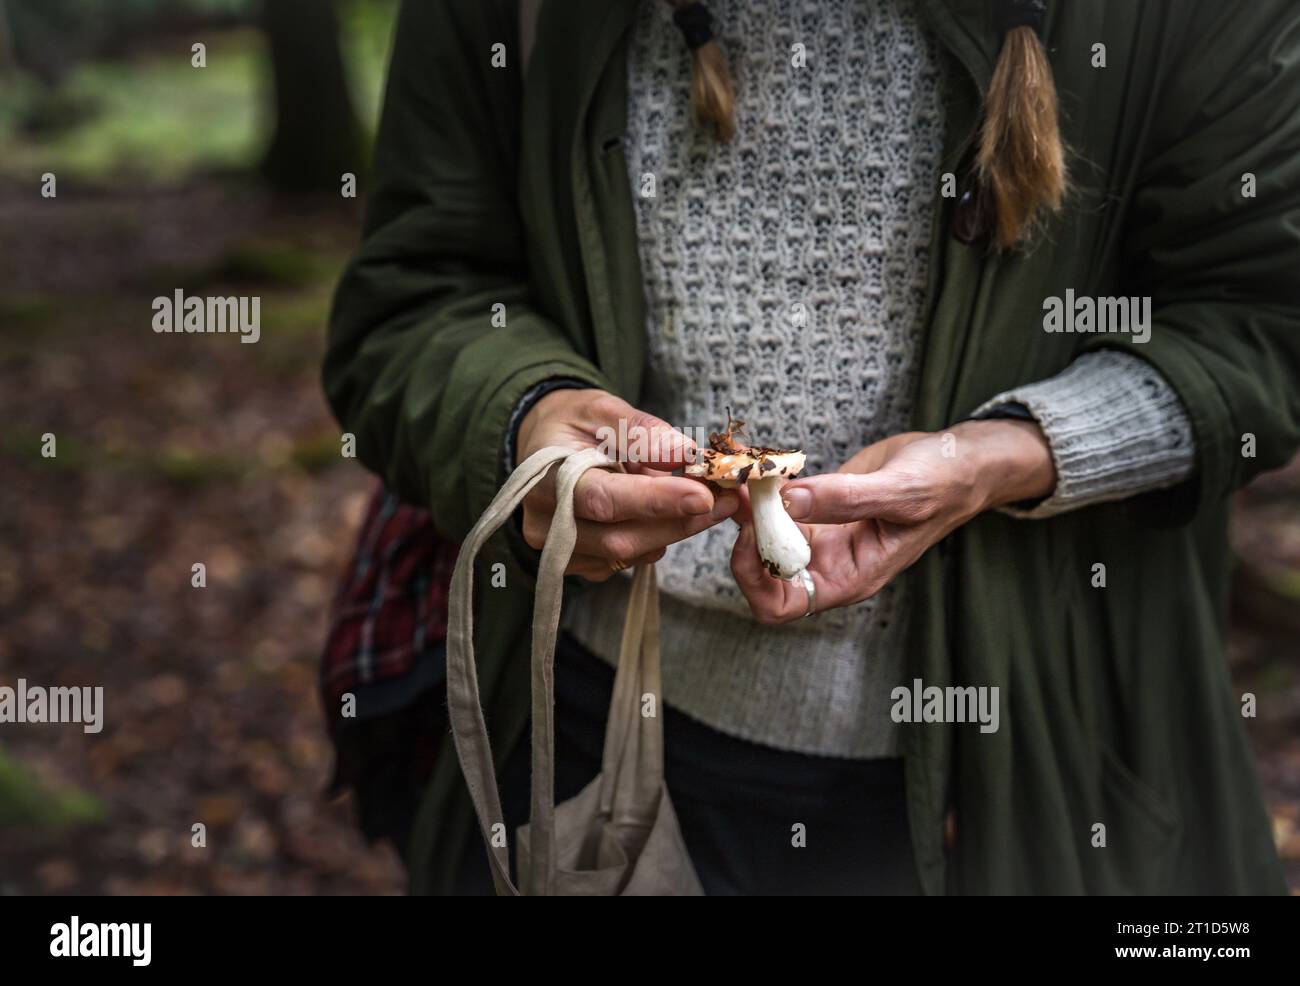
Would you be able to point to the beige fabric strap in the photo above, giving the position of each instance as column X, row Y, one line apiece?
column 469, row 730
column 634, row 732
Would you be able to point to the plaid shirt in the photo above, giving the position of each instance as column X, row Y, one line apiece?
column 388, row 628
column 389, row 619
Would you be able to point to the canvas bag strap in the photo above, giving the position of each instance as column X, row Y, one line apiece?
column 632, row 769
column 465, row 710
column 560, row 541
column 464, row 707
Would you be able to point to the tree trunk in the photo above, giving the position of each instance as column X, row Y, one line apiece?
column 317, row 135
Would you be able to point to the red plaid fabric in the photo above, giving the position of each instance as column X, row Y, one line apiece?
column 390, row 612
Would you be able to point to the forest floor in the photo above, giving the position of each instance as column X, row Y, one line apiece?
column 173, row 450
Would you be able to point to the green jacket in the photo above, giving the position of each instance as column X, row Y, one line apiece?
column 1116, row 702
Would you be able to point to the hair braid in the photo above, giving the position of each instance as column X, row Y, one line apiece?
column 1020, row 159
column 711, row 93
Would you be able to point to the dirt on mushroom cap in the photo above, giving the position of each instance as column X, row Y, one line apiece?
column 713, row 465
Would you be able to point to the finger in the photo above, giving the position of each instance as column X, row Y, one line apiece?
column 632, row 435
column 774, row 601
column 542, row 496
column 535, row 526
column 644, row 469
column 693, row 496
column 744, row 513
column 886, row 550
column 627, row 541
column 595, row 569
column 612, row 497
column 842, row 498
column 765, row 595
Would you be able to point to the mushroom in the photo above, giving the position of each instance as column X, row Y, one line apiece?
column 781, row 545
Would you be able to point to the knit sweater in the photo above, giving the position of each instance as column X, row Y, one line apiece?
column 785, row 277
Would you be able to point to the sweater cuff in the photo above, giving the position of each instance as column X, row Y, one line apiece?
column 1115, row 427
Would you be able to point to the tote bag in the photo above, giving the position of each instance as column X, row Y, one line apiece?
column 620, row 835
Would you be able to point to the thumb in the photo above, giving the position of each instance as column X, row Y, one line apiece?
column 842, row 498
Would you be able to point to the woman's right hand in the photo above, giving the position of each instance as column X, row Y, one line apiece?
column 624, row 519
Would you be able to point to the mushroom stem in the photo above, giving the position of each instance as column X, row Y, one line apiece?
column 781, row 544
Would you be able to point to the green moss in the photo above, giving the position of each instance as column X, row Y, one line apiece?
column 1287, row 584
column 25, row 313
column 262, row 262
column 25, row 446
column 321, row 452
column 27, row 804
column 184, row 467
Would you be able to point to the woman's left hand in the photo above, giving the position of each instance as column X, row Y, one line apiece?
column 879, row 513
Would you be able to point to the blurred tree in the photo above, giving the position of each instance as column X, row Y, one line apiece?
column 317, row 134
column 47, row 38
column 7, row 60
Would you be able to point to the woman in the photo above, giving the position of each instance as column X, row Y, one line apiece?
column 852, row 222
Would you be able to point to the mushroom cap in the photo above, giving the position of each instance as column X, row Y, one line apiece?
column 740, row 466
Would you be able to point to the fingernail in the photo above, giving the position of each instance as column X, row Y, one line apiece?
column 797, row 502
column 696, row 503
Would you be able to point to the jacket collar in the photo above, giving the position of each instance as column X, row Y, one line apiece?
column 965, row 28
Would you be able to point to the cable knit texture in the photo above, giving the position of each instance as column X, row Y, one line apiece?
column 785, row 276
column 1115, row 426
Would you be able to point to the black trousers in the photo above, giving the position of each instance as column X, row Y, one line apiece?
column 756, row 820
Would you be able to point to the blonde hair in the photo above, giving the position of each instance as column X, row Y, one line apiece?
column 712, row 97
column 1020, row 159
